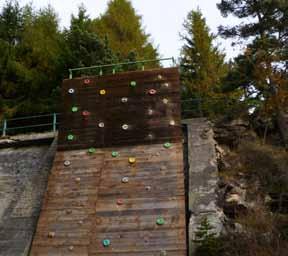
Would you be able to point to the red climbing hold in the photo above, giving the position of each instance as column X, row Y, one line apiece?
column 87, row 81
column 85, row 113
column 120, row 202
column 152, row 91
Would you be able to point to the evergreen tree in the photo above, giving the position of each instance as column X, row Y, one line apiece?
column 261, row 71
column 206, row 240
column 202, row 63
column 123, row 27
column 86, row 47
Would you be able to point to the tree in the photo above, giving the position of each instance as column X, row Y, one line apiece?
column 123, row 28
column 86, row 47
column 206, row 240
column 261, row 71
column 202, row 63
column 32, row 64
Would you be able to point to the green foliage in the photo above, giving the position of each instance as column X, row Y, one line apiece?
column 207, row 242
column 123, row 27
column 86, row 48
column 203, row 68
column 261, row 71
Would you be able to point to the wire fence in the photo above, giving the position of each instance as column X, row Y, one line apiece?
column 191, row 108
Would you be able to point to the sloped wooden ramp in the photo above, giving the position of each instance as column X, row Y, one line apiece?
column 116, row 200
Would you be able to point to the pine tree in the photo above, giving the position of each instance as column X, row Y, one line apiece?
column 261, row 71
column 123, row 28
column 202, row 63
column 86, row 47
column 206, row 240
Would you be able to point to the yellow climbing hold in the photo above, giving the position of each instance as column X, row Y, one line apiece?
column 132, row 160
column 102, row 92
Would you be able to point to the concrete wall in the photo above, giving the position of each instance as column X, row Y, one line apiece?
column 203, row 178
column 23, row 178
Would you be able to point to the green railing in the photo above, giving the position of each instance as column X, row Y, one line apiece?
column 117, row 66
column 36, row 123
column 191, row 108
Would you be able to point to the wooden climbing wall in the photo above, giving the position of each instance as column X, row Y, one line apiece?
column 117, row 197
column 140, row 107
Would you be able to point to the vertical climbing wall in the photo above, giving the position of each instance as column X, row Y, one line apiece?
column 117, row 184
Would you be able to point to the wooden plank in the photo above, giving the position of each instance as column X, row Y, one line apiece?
column 99, row 196
column 113, row 113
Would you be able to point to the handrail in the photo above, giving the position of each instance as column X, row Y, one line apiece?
column 192, row 107
column 115, row 65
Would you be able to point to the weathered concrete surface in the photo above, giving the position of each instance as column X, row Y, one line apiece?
column 203, row 178
column 23, row 178
column 27, row 140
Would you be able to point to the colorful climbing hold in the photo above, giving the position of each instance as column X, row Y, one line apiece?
column 71, row 248
column 91, row 150
column 120, row 202
column 166, row 84
column 70, row 137
column 71, row 91
column 167, row 145
column 124, row 100
column 125, row 126
column 133, row 84
column 148, row 188
column 101, row 125
column 152, row 91
column 165, row 101
column 114, row 154
column 102, row 92
column 132, row 160
column 172, row 123
column 125, row 180
column 51, row 234
column 77, row 180
column 67, row 163
column 74, row 109
column 85, row 113
column 87, row 81
column 160, row 221
column 160, row 77
column 150, row 112
column 106, row 243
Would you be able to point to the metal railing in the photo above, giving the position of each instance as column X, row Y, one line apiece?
column 118, row 66
column 191, row 108
column 36, row 123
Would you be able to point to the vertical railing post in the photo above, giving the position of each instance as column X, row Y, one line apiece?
column 4, row 128
column 54, row 122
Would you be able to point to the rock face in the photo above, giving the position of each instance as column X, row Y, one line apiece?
column 23, row 177
column 203, row 178
column 230, row 133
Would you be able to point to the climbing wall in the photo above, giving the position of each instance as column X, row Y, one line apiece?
column 117, row 184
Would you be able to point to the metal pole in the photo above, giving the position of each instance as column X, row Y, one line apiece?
column 54, row 122
column 4, row 128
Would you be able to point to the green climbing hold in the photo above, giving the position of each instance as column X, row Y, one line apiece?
column 70, row 137
column 167, row 145
column 106, row 242
column 114, row 154
column 74, row 109
column 91, row 150
column 133, row 84
column 160, row 221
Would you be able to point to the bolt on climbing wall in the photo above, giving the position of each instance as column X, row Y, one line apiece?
column 117, row 184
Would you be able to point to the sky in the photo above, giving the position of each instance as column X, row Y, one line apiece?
column 163, row 19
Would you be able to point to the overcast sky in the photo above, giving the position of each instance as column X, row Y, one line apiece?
column 163, row 19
